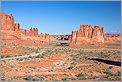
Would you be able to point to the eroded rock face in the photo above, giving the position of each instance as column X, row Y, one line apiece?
column 112, row 38
column 7, row 21
column 16, row 27
column 74, row 37
column 13, row 34
column 87, row 35
column 30, row 32
column 98, row 35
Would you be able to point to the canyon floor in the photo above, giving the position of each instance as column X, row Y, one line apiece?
column 61, row 63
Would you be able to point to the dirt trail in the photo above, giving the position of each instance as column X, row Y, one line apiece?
column 23, row 56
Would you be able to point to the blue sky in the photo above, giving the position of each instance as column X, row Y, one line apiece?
column 64, row 17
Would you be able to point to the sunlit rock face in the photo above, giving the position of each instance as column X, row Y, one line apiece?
column 112, row 37
column 87, row 35
column 12, row 33
column 98, row 35
column 7, row 22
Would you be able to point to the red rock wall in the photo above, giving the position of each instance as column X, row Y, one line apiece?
column 7, row 22
column 98, row 35
column 87, row 35
column 16, row 27
column 31, row 32
column 113, row 38
column 74, row 37
column 13, row 34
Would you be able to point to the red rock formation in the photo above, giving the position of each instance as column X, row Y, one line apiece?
column 13, row 34
column 87, row 35
column 98, row 35
column 7, row 21
column 112, row 38
column 17, row 27
column 74, row 37
column 90, row 30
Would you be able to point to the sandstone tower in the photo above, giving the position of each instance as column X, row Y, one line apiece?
column 87, row 35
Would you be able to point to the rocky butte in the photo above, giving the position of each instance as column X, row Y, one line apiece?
column 12, row 33
column 87, row 35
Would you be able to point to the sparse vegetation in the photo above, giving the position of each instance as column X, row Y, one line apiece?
column 81, row 76
column 73, row 60
column 64, row 79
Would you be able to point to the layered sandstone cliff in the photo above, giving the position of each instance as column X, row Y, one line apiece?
column 12, row 33
column 87, row 35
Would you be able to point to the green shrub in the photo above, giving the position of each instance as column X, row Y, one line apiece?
column 64, row 79
column 81, row 76
column 108, row 72
column 28, row 78
column 12, row 66
column 35, row 79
